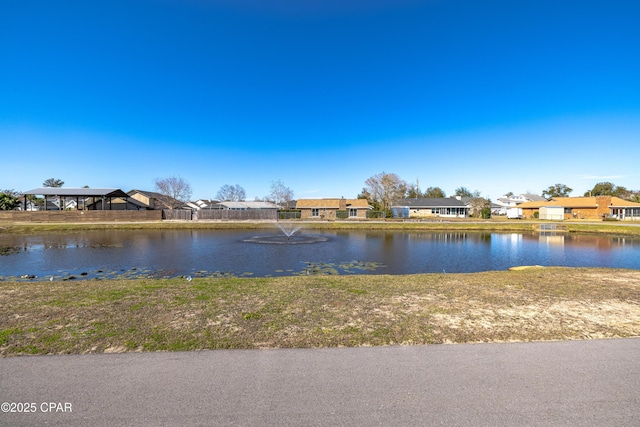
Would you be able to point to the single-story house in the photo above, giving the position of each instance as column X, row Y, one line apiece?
column 598, row 207
column 447, row 207
column 153, row 200
column 36, row 204
column 203, row 204
column 330, row 208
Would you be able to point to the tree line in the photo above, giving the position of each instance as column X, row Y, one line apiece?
column 600, row 189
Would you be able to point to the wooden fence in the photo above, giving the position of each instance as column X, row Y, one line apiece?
column 177, row 214
column 240, row 215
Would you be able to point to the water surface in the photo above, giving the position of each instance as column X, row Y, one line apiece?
column 170, row 253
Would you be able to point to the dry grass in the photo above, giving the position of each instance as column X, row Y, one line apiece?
column 173, row 315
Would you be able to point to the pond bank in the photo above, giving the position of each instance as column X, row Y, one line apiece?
column 619, row 228
column 317, row 311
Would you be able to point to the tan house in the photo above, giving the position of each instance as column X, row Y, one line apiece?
column 153, row 200
column 596, row 208
column 332, row 208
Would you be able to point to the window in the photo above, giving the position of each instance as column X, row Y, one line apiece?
column 315, row 212
column 353, row 212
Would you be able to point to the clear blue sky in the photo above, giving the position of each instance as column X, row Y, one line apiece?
column 495, row 96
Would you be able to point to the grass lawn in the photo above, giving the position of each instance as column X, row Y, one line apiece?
column 317, row 311
column 498, row 225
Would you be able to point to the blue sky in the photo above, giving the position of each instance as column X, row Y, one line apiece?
column 495, row 96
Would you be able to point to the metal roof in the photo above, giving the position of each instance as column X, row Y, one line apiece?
column 77, row 192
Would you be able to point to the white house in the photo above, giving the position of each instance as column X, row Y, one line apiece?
column 448, row 207
column 506, row 202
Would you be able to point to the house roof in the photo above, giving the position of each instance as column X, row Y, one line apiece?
column 533, row 197
column 164, row 200
column 430, row 202
column 617, row 202
column 357, row 204
column 150, row 194
column 567, row 202
column 77, row 192
column 332, row 203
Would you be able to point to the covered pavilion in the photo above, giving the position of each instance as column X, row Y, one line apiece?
column 97, row 198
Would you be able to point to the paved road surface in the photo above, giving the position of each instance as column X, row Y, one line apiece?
column 588, row 383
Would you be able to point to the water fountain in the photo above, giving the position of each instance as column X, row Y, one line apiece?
column 289, row 236
column 288, row 229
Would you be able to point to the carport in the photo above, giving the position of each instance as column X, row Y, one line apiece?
column 82, row 196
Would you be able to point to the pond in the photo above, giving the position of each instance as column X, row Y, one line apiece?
column 243, row 253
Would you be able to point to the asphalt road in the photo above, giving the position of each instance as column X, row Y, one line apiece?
column 587, row 383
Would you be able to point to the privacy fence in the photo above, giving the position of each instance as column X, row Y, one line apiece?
column 157, row 215
column 80, row 216
column 221, row 215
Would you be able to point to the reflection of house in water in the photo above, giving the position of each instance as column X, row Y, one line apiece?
column 449, row 236
column 592, row 241
column 551, row 238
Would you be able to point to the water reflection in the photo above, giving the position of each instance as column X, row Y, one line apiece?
column 202, row 253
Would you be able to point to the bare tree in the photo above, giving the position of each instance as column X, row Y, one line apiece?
column 480, row 206
column 384, row 188
column 175, row 191
column 231, row 193
column 280, row 194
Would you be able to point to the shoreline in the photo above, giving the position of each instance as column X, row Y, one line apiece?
column 115, row 316
column 499, row 225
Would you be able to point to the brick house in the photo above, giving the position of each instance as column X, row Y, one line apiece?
column 332, row 208
column 595, row 208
